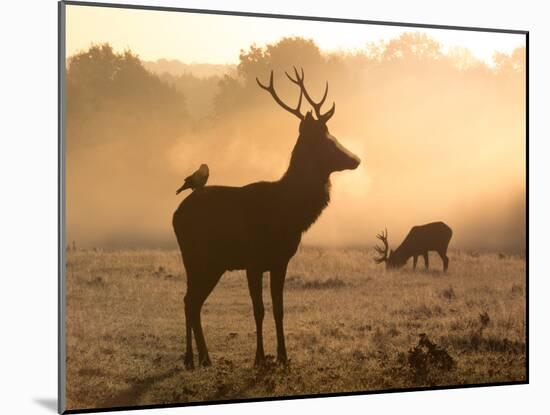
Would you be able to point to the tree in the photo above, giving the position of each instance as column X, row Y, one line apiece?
column 510, row 64
column 236, row 91
column 412, row 46
column 114, row 89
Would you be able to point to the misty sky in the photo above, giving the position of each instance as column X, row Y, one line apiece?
column 218, row 39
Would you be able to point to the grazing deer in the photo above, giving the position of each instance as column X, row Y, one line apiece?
column 421, row 239
column 258, row 227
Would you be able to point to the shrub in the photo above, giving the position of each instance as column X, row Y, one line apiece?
column 427, row 361
column 448, row 293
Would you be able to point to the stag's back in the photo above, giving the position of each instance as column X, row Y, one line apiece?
column 234, row 227
column 429, row 237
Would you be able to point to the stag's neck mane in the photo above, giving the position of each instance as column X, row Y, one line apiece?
column 306, row 191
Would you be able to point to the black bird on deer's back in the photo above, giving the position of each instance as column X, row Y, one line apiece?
column 196, row 180
column 419, row 241
column 258, row 227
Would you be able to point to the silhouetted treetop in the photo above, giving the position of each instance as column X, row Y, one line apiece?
column 241, row 89
column 412, row 46
column 100, row 79
column 510, row 64
column 112, row 96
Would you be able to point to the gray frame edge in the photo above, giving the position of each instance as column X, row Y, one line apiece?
column 61, row 237
column 292, row 17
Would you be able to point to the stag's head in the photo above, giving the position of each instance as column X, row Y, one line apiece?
column 386, row 254
column 316, row 147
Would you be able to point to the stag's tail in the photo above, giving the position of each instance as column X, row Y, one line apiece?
column 176, row 222
column 177, row 226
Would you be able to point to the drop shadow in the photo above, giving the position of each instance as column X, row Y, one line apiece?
column 131, row 395
column 48, row 403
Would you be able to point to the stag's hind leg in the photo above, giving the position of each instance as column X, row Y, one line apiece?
column 199, row 288
column 255, row 287
column 277, row 279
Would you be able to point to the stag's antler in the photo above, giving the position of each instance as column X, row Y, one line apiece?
column 315, row 105
column 299, row 80
column 383, row 236
column 271, row 89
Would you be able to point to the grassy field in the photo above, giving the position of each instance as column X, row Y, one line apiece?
column 350, row 326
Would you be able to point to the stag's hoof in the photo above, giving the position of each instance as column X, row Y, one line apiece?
column 283, row 361
column 260, row 361
column 205, row 361
column 188, row 362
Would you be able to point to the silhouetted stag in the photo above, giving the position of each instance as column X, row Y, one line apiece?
column 258, row 227
column 421, row 239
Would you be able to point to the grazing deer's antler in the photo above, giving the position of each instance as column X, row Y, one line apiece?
column 383, row 236
column 315, row 105
column 271, row 89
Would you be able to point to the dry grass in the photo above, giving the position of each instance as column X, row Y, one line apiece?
column 350, row 326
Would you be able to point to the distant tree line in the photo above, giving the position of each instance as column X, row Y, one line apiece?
column 105, row 85
column 111, row 94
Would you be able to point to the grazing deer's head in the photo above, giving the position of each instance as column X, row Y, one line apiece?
column 389, row 258
column 316, row 149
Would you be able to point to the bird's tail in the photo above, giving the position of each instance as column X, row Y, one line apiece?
column 182, row 188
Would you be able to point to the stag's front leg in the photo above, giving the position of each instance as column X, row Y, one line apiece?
column 277, row 284
column 415, row 260
column 255, row 287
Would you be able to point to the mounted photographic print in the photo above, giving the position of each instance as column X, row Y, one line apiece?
column 258, row 207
